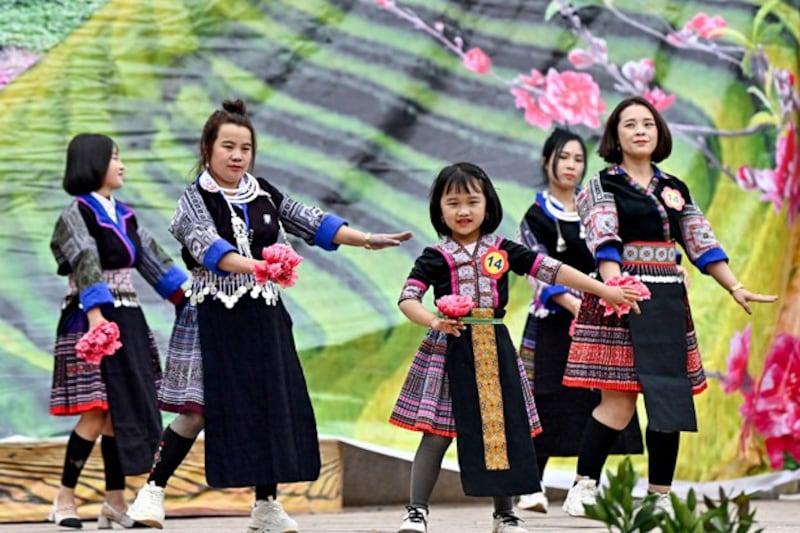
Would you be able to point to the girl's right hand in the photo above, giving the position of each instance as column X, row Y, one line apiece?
column 450, row 326
column 622, row 295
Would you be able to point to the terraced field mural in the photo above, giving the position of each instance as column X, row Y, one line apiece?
column 357, row 106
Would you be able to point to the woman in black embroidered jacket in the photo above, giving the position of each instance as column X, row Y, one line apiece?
column 634, row 214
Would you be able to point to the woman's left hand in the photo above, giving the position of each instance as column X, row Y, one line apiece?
column 743, row 297
column 378, row 241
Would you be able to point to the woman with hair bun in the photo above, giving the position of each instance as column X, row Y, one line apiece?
column 232, row 366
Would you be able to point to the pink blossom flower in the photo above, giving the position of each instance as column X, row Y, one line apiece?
column 455, row 305
column 384, row 4
column 99, row 342
column 640, row 73
column 781, row 184
column 659, row 98
column 279, row 265
column 774, row 407
column 580, row 59
column 535, row 81
column 572, row 98
column 533, row 113
column 477, row 61
column 705, row 26
column 736, row 375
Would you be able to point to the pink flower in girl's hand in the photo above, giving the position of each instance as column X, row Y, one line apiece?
column 100, row 341
column 279, row 265
column 455, row 305
column 628, row 281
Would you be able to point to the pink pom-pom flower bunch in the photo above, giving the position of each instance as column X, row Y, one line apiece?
column 99, row 342
column 279, row 266
column 455, row 305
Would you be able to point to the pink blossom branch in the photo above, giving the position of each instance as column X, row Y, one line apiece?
column 712, row 48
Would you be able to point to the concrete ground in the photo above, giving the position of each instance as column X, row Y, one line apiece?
column 772, row 515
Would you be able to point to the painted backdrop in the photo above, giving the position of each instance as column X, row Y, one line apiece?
column 357, row 105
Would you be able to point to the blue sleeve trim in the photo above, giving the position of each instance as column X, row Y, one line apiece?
column 547, row 297
column 214, row 255
column 327, row 230
column 608, row 252
column 713, row 255
column 678, row 256
column 96, row 295
column 170, row 282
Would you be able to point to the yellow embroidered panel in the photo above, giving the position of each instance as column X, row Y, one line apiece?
column 490, row 394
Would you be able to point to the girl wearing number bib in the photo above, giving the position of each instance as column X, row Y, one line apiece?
column 466, row 379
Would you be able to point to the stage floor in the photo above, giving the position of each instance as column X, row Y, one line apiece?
column 773, row 515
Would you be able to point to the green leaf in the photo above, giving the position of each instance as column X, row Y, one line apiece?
column 759, row 18
column 763, row 117
column 552, row 9
column 735, row 36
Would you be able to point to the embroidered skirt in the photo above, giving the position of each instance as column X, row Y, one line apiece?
column 606, row 355
column 424, row 403
column 126, row 383
column 182, row 387
column 563, row 411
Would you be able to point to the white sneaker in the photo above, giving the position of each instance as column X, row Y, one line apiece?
column 536, row 502
column 584, row 492
column 415, row 520
column 507, row 522
column 665, row 504
column 148, row 508
column 268, row 516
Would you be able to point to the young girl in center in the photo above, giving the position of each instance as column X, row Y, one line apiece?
column 466, row 379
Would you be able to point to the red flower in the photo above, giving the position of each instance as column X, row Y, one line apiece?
column 455, row 305
column 736, row 374
column 533, row 113
column 279, row 265
column 99, row 342
column 774, row 407
column 477, row 61
column 625, row 280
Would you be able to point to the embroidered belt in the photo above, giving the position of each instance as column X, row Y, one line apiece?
column 228, row 289
column 119, row 282
column 476, row 319
column 490, row 392
column 649, row 252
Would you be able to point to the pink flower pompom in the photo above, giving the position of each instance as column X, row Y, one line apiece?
column 455, row 305
column 629, row 281
column 279, row 266
column 101, row 341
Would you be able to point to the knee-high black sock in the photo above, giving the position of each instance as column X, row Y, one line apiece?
column 541, row 463
column 78, row 450
column 112, row 467
column 264, row 492
column 171, row 452
column 596, row 444
column 662, row 450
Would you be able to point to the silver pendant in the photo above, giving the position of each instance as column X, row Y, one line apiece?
column 561, row 244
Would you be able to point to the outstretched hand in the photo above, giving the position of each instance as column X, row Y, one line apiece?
column 743, row 297
column 378, row 241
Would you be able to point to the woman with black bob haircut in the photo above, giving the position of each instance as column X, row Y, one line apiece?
column 634, row 213
column 88, row 156
column 97, row 243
